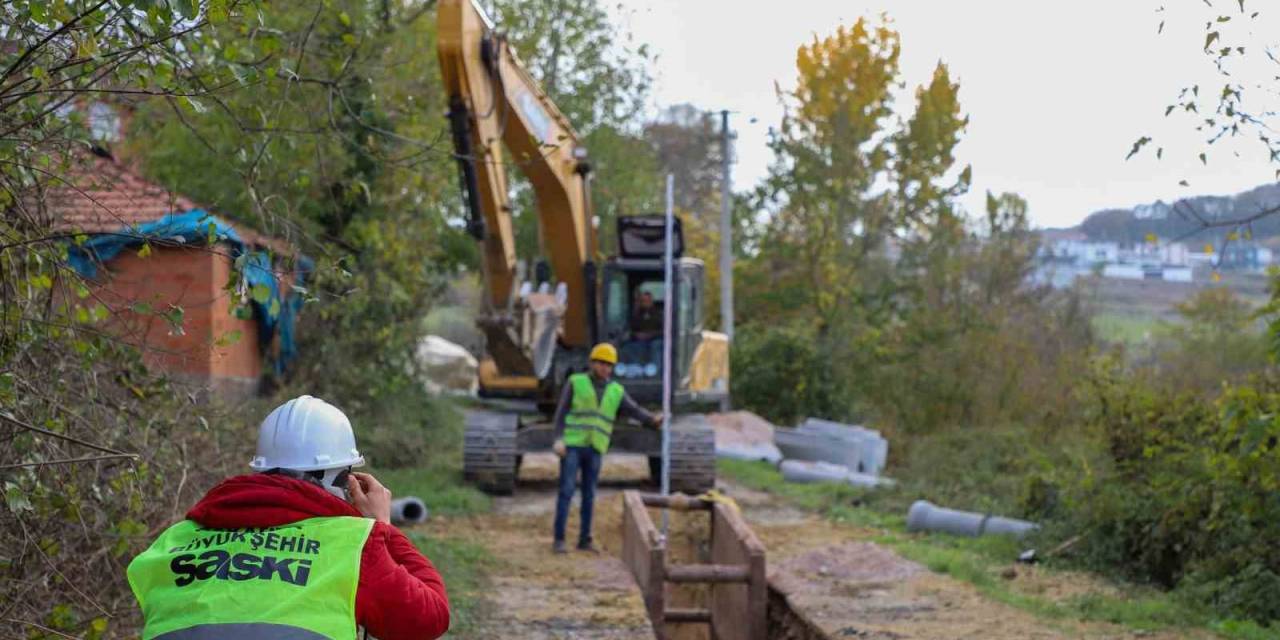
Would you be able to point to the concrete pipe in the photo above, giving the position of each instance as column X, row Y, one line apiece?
column 804, row 471
column 926, row 516
column 816, row 447
column 408, row 510
column 873, row 449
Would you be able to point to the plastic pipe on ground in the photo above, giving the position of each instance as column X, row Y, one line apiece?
column 803, row 471
column 926, row 516
column 408, row 510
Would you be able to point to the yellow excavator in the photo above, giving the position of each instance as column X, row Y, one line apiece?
column 539, row 327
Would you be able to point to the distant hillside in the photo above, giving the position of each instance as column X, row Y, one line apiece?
column 1128, row 226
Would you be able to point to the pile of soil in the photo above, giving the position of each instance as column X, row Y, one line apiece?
column 849, row 563
column 535, row 594
column 740, row 428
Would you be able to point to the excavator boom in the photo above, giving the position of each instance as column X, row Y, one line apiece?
column 494, row 103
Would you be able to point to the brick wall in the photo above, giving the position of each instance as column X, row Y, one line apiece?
column 193, row 279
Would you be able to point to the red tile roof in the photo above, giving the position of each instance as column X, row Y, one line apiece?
column 105, row 196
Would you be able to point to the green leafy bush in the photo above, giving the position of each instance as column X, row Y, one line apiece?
column 358, row 353
column 783, row 374
column 1217, row 339
column 1188, row 494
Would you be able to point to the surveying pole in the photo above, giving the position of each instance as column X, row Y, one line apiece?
column 726, row 228
column 726, row 239
column 668, row 308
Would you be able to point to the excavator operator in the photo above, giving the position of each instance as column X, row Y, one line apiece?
column 645, row 344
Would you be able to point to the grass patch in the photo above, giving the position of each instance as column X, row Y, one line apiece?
column 1126, row 328
column 462, row 563
column 437, row 478
column 830, row 499
column 440, row 486
column 980, row 561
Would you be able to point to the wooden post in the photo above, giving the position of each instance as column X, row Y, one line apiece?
column 708, row 573
column 738, row 610
column 644, row 556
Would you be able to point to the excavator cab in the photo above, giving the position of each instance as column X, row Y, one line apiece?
column 633, row 303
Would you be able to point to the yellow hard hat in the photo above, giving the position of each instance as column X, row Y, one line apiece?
column 604, row 352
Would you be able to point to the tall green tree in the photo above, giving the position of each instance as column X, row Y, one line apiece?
column 919, row 316
column 686, row 140
column 924, row 159
column 833, row 223
column 594, row 70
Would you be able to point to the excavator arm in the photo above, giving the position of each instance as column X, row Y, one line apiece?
column 500, row 118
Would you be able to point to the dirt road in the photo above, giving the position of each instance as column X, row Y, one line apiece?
column 537, row 595
column 831, row 574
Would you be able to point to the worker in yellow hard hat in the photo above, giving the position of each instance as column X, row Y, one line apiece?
column 589, row 405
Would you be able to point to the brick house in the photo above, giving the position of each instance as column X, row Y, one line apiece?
column 215, row 346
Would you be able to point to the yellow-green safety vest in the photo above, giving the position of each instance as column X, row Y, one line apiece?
column 292, row 582
column 589, row 422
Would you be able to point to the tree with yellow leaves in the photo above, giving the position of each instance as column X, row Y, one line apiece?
column 852, row 180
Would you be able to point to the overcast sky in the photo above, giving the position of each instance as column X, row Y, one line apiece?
column 1056, row 91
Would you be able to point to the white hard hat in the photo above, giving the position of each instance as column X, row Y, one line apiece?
column 306, row 434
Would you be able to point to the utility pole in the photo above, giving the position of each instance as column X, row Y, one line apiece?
column 726, row 229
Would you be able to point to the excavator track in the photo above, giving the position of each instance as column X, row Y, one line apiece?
column 489, row 456
column 693, row 456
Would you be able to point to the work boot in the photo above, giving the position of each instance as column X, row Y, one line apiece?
column 588, row 546
column 558, row 547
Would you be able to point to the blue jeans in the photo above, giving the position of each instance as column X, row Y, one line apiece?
column 588, row 461
column 646, row 351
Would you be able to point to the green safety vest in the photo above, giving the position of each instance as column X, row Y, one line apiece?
column 292, row 582
column 589, row 422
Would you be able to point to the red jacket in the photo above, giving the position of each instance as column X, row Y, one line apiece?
column 400, row 596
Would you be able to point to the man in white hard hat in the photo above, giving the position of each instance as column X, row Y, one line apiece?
column 304, row 549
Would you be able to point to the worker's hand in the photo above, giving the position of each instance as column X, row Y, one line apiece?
column 657, row 420
column 369, row 497
column 558, row 447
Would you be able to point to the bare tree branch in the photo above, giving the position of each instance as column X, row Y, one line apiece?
column 131, row 456
column 61, row 436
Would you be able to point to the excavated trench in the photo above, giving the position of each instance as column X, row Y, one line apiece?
column 788, row 623
column 826, row 579
column 688, row 543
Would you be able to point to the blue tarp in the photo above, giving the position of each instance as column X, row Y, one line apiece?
column 200, row 228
